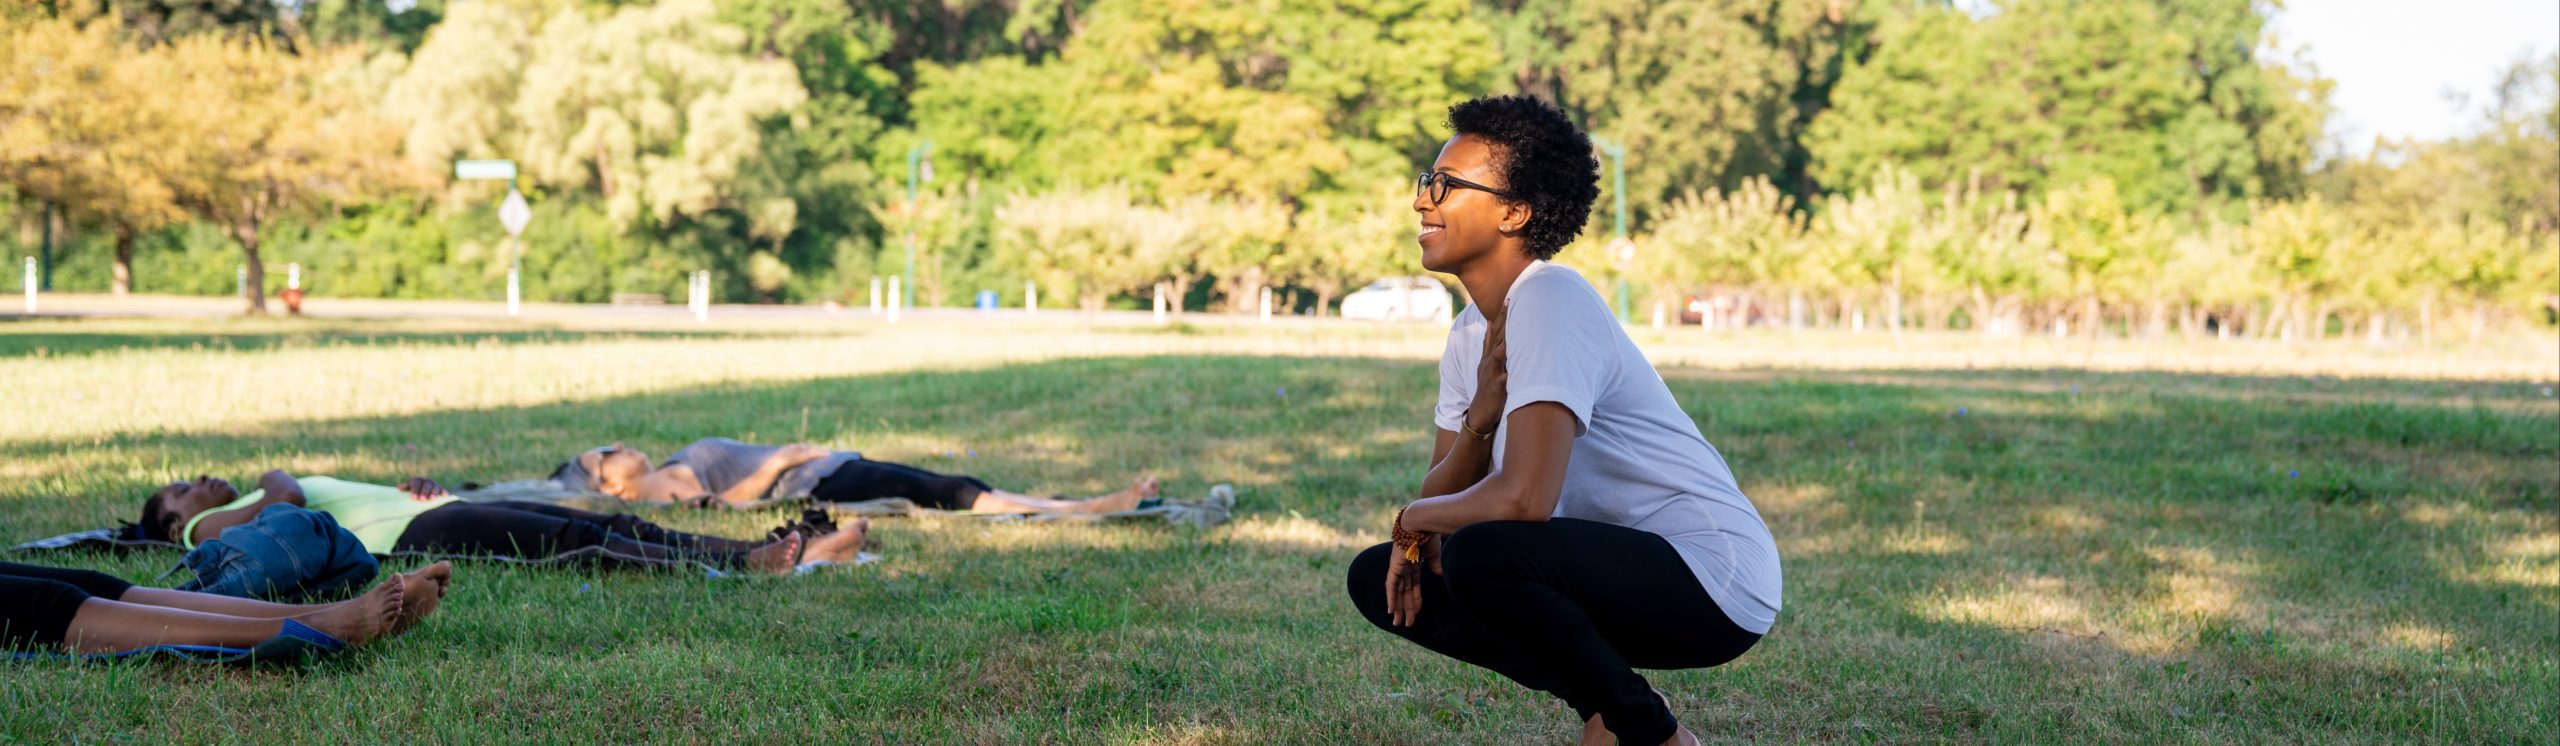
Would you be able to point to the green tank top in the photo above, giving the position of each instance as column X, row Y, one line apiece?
column 376, row 514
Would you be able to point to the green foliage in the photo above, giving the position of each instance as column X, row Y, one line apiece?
column 2112, row 168
column 2168, row 100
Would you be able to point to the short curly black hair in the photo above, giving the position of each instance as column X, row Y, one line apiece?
column 1545, row 161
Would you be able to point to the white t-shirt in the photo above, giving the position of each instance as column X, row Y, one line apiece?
column 1638, row 460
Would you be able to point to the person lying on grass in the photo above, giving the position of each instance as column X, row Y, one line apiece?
column 720, row 471
column 418, row 517
column 1574, row 523
column 49, row 609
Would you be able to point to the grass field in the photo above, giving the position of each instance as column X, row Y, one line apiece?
column 2016, row 553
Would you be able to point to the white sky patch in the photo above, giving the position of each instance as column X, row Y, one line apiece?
column 2404, row 69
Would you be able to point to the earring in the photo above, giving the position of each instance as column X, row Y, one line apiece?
column 1506, row 226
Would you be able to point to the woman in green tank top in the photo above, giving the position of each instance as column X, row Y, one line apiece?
column 418, row 517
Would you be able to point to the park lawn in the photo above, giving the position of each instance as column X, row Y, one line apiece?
column 2013, row 555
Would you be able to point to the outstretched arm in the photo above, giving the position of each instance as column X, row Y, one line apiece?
column 281, row 489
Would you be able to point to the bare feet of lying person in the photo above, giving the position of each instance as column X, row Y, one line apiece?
column 1128, row 499
column 778, row 557
column 840, row 546
column 421, row 590
column 363, row 618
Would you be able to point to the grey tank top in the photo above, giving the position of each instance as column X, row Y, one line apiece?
column 720, row 463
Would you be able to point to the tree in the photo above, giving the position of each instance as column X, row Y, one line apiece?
column 1703, row 93
column 1342, row 240
column 2168, row 99
column 1095, row 243
column 654, row 107
column 274, row 140
column 83, row 127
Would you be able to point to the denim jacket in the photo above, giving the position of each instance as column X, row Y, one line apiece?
column 286, row 554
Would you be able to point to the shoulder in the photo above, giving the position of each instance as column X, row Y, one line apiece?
column 1552, row 284
column 1557, row 296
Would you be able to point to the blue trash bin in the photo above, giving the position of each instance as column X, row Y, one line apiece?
column 986, row 300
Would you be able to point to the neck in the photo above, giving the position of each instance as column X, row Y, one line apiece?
column 1488, row 281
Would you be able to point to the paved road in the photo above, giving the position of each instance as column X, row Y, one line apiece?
column 75, row 305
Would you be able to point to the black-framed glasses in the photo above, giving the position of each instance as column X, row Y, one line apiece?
column 1436, row 185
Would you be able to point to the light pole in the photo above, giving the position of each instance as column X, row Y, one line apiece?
column 919, row 168
column 1618, row 192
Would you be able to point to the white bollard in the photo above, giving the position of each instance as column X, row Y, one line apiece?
column 240, row 285
column 1159, row 303
column 701, row 295
column 1030, row 298
column 896, row 299
column 1658, row 306
column 514, row 293
column 293, row 276
column 875, row 296
column 1266, row 305
column 29, row 282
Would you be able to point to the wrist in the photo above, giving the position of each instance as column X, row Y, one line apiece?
column 1408, row 541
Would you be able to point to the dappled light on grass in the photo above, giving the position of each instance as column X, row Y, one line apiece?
column 1969, row 556
column 1294, row 534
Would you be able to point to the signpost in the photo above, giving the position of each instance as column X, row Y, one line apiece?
column 919, row 168
column 1621, row 249
column 513, row 213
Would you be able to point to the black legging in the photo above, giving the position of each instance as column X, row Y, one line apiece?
column 537, row 531
column 37, row 603
column 864, row 479
column 1566, row 607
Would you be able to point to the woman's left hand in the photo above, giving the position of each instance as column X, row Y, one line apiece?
column 422, row 488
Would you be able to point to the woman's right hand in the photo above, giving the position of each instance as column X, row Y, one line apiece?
column 1493, row 379
column 1404, row 581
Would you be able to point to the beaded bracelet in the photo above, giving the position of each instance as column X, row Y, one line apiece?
column 1408, row 541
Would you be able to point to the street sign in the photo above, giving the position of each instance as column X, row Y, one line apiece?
column 514, row 213
column 484, row 170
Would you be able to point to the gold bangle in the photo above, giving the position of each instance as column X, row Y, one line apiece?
column 1462, row 425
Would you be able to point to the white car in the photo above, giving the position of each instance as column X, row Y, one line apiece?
column 1399, row 299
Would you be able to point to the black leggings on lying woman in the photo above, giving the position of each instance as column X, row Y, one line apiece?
column 856, row 481
column 540, row 531
column 38, row 603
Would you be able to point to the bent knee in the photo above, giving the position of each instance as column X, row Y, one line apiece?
column 1482, row 549
column 1367, row 581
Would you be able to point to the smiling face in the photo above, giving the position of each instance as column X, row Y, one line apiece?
column 1467, row 225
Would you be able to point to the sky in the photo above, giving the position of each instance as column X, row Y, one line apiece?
column 2412, row 68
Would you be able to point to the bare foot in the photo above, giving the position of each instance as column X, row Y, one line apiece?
column 778, row 557
column 840, row 546
column 1145, row 487
column 422, row 589
column 1683, row 738
column 1596, row 734
column 362, row 619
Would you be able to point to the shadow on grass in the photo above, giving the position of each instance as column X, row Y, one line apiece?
column 1999, row 555
column 30, row 341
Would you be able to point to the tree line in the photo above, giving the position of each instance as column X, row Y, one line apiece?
column 2127, row 167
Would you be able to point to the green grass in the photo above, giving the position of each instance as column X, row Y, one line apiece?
column 2012, row 556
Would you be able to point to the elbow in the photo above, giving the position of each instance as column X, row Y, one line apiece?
column 1527, row 505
